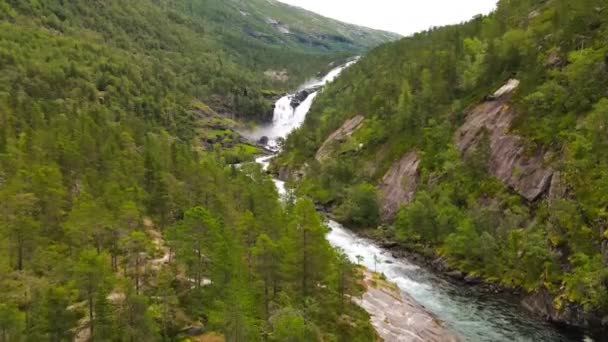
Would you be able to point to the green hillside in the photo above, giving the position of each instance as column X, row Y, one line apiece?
column 508, row 187
column 299, row 28
column 120, row 216
column 211, row 42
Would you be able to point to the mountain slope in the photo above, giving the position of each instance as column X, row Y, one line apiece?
column 121, row 218
column 494, row 131
column 304, row 29
column 199, row 37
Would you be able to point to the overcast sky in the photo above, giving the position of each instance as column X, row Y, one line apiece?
column 401, row 16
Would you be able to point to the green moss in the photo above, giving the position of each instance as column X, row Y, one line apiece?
column 240, row 153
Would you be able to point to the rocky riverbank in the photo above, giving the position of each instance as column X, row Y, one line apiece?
column 540, row 303
column 398, row 317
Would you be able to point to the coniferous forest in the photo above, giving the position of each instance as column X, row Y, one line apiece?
column 119, row 221
column 130, row 209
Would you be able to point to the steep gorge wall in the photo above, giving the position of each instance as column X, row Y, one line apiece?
column 347, row 129
column 399, row 185
column 525, row 173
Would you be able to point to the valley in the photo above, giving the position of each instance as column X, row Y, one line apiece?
column 441, row 309
column 230, row 170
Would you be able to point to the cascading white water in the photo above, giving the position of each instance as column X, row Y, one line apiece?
column 285, row 118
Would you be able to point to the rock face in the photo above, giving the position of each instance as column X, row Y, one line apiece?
column 397, row 317
column 604, row 240
column 558, row 188
column 399, row 185
column 347, row 129
column 263, row 140
column 509, row 162
column 301, row 95
column 506, row 89
column 542, row 303
column 277, row 75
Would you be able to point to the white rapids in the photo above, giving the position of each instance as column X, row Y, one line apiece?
column 285, row 118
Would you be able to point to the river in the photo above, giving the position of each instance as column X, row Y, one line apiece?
column 471, row 314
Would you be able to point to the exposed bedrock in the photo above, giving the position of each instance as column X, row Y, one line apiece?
column 347, row 129
column 399, row 185
column 301, row 95
column 398, row 317
column 522, row 171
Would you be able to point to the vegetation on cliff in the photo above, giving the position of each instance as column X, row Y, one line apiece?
column 416, row 93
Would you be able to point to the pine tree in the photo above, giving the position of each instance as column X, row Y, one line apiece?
column 307, row 250
column 137, row 248
column 87, row 224
column 19, row 224
column 136, row 322
column 11, row 323
column 60, row 319
column 267, row 262
column 93, row 279
column 192, row 239
column 104, row 317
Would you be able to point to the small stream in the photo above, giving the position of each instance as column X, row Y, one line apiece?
column 473, row 315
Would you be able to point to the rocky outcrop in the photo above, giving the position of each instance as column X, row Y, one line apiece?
column 558, row 188
column 301, row 95
column 277, row 75
column 554, row 60
column 525, row 173
column 399, row 185
column 506, row 89
column 397, row 317
column 347, row 129
column 542, row 303
column 603, row 224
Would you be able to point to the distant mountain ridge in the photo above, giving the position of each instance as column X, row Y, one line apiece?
column 240, row 52
column 279, row 23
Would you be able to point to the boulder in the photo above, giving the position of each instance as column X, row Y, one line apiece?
column 455, row 274
column 603, row 224
column 347, row 129
column 389, row 244
column 440, row 264
column 472, row 279
column 533, row 14
column 506, row 89
column 277, row 75
column 542, row 303
column 522, row 171
column 263, row 141
column 301, row 95
column 196, row 329
column 399, row 185
column 554, row 60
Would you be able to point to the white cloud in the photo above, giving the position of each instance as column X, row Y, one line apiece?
column 401, row 16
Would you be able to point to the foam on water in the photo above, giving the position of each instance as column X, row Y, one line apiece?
column 474, row 316
column 285, row 118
